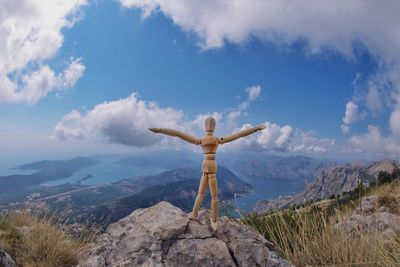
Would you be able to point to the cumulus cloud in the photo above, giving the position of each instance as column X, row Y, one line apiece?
column 374, row 143
column 351, row 115
column 382, row 91
column 30, row 35
column 285, row 22
column 350, row 28
column 283, row 139
column 126, row 121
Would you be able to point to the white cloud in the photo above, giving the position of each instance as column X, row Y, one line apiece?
column 394, row 122
column 374, row 99
column 39, row 83
column 232, row 118
column 374, row 91
column 345, row 128
column 349, row 28
column 30, row 35
column 126, row 121
column 284, row 139
column 253, row 92
column 373, row 142
column 351, row 115
column 344, row 23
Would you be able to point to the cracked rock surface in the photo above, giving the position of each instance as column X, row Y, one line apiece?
column 162, row 235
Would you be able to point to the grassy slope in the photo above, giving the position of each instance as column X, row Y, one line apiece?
column 43, row 244
column 309, row 236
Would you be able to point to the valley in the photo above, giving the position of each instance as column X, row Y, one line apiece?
column 106, row 187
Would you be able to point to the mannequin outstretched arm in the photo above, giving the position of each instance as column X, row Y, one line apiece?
column 175, row 133
column 237, row 135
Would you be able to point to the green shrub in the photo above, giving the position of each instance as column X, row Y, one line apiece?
column 384, row 177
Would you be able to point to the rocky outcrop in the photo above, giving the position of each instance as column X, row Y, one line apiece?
column 331, row 182
column 372, row 215
column 6, row 260
column 386, row 165
column 162, row 235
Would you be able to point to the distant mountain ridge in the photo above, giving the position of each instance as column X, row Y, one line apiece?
column 106, row 203
column 332, row 181
column 178, row 187
column 287, row 168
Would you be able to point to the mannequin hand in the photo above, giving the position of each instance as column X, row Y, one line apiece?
column 154, row 130
column 260, row 127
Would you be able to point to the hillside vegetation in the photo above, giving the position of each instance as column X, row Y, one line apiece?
column 34, row 241
column 316, row 234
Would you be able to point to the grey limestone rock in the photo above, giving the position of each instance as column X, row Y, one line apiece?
column 332, row 181
column 162, row 235
column 6, row 260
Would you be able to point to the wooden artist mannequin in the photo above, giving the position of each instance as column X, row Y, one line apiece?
column 209, row 143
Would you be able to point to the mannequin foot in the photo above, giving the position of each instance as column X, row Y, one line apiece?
column 193, row 216
column 214, row 225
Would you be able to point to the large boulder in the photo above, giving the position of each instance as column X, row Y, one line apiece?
column 163, row 235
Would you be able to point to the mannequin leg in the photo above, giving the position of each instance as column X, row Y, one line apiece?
column 212, row 181
column 200, row 196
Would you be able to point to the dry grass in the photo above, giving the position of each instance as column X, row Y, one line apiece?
column 43, row 243
column 389, row 196
column 311, row 237
column 313, row 241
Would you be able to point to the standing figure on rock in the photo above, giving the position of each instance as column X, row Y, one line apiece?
column 209, row 143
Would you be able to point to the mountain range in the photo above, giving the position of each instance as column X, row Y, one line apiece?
column 287, row 168
column 104, row 204
column 332, row 181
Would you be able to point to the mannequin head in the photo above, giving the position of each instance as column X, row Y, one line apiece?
column 209, row 125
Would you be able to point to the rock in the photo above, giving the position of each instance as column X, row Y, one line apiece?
column 385, row 165
column 372, row 217
column 264, row 206
column 199, row 252
column 384, row 222
column 6, row 260
column 162, row 235
column 369, row 204
column 275, row 261
column 332, row 181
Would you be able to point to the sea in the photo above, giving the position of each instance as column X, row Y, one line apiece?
column 109, row 171
column 265, row 188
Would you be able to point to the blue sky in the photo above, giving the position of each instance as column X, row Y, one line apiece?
column 303, row 78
